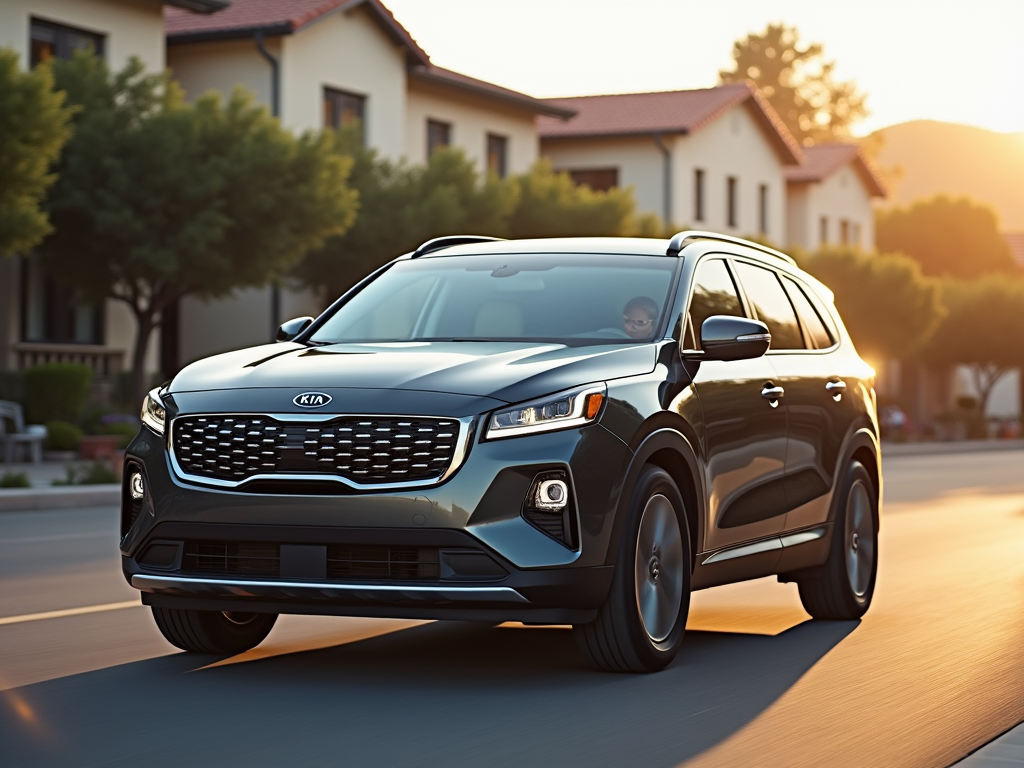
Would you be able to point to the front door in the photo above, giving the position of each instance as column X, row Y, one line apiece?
column 745, row 430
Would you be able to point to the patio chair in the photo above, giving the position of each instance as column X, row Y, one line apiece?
column 31, row 438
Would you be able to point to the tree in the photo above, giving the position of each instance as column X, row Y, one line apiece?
column 983, row 330
column 401, row 206
column 34, row 125
column 798, row 82
column 157, row 200
column 958, row 238
column 887, row 305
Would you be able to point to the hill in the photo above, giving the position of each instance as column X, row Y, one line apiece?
column 957, row 160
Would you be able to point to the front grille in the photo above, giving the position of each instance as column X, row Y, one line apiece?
column 232, row 558
column 346, row 561
column 362, row 449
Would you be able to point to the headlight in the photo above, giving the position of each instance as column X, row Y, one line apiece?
column 561, row 411
column 153, row 413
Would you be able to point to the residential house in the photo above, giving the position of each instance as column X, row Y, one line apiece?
column 713, row 158
column 828, row 199
column 41, row 319
column 334, row 63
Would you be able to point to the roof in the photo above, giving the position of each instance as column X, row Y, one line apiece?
column 428, row 73
column 246, row 18
column 200, row 6
column 825, row 159
column 666, row 112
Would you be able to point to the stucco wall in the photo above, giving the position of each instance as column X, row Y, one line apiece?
column 733, row 145
column 349, row 52
column 471, row 120
column 798, row 224
column 223, row 66
column 131, row 27
column 639, row 162
column 842, row 195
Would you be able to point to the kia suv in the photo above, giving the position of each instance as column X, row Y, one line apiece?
column 555, row 431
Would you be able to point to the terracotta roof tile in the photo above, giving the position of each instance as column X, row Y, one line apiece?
column 629, row 114
column 448, row 78
column 825, row 159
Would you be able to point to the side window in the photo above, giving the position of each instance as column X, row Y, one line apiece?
column 816, row 330
column 771, row 305
column 713, row 294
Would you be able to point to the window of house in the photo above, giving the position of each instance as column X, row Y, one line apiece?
column 57, row 41
column 53, row 312
column 497, row 155
column 844, row 231
column 714, row 293
column 730, row 201
column 771, row 305
column 823, row 230
column 762, row 209
column 598, row 179
column 438, row 135
column 344, row 110
column 698, row 194
column 819, row 336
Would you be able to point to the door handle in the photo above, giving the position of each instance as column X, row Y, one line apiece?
column 770, row 392
column 836, row 389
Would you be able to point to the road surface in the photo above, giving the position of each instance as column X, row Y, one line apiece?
column 934, row 670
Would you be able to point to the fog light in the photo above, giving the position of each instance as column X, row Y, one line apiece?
column 135, row 486
column 551, row 495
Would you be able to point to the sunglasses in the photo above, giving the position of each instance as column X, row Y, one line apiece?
column 636, row 323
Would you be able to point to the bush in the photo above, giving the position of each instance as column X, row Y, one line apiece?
column 126, row 429
column 62, row 436
column 56, row 392
column 14, row 480
column 96, row 473
column 12, row 386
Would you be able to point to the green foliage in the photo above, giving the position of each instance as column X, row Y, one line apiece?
column 34, row 125
column 958, row 238
column 12, row 386
column 887, row 305
column 126, row 430
column 401, row 206
column 56, row 391
column 158, row 199
column 95, row 473
column 983, row 329
column 799, row 84
column 550, row 205
column 62, row 436
column 14, row 480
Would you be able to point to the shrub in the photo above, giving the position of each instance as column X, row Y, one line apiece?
column 126, row 429
column 56, row 392
column 96, row 473
column 12, row 386
column 62, row 436
column 14, row 480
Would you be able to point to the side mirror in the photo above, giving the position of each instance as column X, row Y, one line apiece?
column 292, row 328
column 724, row 337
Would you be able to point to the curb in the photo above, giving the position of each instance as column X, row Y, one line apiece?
column 28, row 499
column 964, row 446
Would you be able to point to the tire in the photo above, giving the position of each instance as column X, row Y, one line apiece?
column 640, row 626
column 215, row 632
column 842, row 588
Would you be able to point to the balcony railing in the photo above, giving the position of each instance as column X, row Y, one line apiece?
column 104, row 361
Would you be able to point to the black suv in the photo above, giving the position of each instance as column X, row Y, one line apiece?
column 562, row 431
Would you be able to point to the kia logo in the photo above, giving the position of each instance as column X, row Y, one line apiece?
column 311, row 399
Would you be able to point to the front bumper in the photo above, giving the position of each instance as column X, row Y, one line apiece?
column 477, row 510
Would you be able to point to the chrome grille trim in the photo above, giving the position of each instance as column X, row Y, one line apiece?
column 462, row 442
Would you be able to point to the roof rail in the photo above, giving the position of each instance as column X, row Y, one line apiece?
column 449, row 240
column 680, row 239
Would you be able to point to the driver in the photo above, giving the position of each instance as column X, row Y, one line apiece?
column 638, row 317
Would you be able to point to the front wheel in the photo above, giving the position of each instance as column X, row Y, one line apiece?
column 224, row 633
column 640, row 626
column 842, row 588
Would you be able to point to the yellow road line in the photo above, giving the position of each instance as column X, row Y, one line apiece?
column 69, row 612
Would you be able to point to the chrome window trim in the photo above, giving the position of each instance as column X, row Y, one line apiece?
column 461, row 450
column 241, row 588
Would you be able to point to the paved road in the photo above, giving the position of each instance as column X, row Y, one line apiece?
column 935, row 669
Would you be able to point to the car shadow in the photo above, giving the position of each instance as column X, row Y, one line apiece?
column 436, row 694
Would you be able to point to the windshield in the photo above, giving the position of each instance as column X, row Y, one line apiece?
column 564, row 298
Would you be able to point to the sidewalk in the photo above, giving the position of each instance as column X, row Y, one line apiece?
column 43, row 494
column 961, row 446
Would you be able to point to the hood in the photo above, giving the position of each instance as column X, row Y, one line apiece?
column 508, row 371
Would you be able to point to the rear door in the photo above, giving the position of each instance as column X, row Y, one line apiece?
column 744, row 431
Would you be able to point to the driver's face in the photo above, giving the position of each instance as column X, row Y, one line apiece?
column 637, row 324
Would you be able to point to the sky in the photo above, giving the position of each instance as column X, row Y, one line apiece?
column 955, row 61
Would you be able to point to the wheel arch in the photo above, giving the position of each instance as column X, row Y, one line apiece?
column 862, row 446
